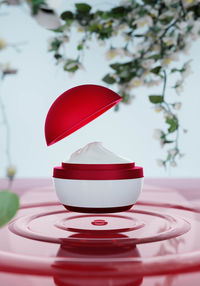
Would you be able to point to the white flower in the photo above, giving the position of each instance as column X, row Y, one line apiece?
column 122, row 53
column 167, row 115
column 115, row 32
column 125, row 2
column 156, row 48
column 179, row 87
column 187, row 70
column 187, row 3
column 169, row 40
column 101, row 43
column 80, row 29
column 3, row 44
column 181, row 155
column 65, row 39
column 153, row 82
column 158, row 108
column 169, row 2
column 173, row 152
column 173, row 164
column 167, row 14
column 172, row 58
column 195, row 30
column 157, row 134
column 144, row 21
column 182, row 26
column 47, row 19
column 187, row 47
column 160, row 162
column 190, row 17
column 131, row 15
column 177, row 105
column 153, row 12
column 141, row 47
column 111, row 54
column 136, row 82
column 5, row 67
column 11, row 171
column 126, row 37
column 147, row 64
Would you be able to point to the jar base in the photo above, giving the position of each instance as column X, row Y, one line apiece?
column 98, row 210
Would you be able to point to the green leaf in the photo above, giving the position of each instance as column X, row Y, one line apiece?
column 166, row 20
column 116, row 108
column 156, row 70
column 80, row 47
column 67, row 15
column 83, row 7
column 57, row 56
column 36, row 5
column 173, row 122
column 168, row 141
column 109, row 79
column 71, row 65
column 55, row 45
column 118, row 12
column 125, row 97
column 155, row 57
column 116, row 66
column 156, row 99
column 94, row 28
column 105, row 32
column 9, row 204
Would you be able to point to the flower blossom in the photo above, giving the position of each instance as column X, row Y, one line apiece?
column 177, row 105
column 157, row 134
column 144, row 21
column 160, row 162
column 3, row 44
column 136, row 82
column 179, row 87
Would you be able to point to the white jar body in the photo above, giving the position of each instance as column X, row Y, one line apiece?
column 98, row 193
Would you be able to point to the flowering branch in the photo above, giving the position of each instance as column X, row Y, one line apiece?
column 152, row 37
column 9, row 202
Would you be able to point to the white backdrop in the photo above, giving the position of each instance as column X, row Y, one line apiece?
column 128, row 132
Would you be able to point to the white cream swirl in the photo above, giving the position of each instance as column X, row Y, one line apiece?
column 95, row 153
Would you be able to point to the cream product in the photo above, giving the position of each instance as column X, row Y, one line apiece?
column 93, row 179
column 95, row 153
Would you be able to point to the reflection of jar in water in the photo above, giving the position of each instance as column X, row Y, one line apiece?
column 92, row 264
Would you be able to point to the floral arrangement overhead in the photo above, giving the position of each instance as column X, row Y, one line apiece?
column 146, row 38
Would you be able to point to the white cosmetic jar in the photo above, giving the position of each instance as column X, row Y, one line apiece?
column 98, row 188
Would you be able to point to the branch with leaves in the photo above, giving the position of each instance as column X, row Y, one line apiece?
column 145, row 39
column 9, row 201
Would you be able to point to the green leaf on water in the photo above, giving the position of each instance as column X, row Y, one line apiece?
column 9, row 204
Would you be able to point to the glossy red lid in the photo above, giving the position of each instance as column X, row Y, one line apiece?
column 75, row 108
column 98, row 171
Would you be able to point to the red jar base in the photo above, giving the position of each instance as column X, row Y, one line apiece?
column 97, row 210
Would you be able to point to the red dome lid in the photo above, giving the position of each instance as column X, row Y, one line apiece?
column 75, row 108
